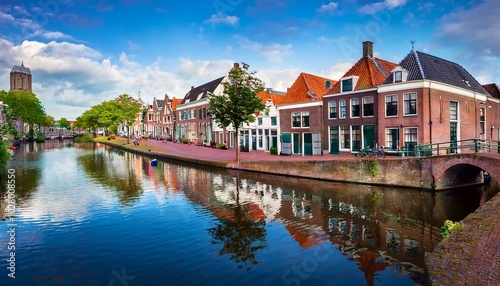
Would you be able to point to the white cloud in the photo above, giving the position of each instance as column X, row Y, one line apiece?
column 377, row 6
column 220, row 18
column 327, row 40
column 56, row 36
column 478, row 26
column 133, row 46
column 272, row 52
column 338, row 70
column 279, row 80
column 70, row 78
column 6, row 18
column 203, row 70
column 328, row 8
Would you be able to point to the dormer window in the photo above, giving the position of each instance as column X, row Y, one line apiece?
column 349, row 83
column 399, row 74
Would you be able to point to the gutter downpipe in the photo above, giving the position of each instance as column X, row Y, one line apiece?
column 430, row 115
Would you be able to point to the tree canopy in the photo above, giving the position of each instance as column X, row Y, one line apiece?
column 24, row 106
column 239, row 102
column 110, row 113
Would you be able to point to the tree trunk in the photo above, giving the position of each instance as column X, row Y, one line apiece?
column 237, row 144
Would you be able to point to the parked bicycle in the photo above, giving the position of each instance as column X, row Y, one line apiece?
column 372, row 152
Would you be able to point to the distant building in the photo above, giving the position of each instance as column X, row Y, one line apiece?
column 20, row 78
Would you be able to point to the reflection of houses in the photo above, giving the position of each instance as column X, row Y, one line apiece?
column 350, row 107
column 301, row 120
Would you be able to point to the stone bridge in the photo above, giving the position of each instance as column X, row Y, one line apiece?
column 449, row 171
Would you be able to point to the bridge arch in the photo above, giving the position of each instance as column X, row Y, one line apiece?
column 463, row 170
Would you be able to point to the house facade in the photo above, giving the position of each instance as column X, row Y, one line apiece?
column 193, row 121
column 301, row 115
column 350, row 107
column 263, row 133
column 427, row 99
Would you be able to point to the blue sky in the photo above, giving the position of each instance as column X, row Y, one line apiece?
column 84, row 52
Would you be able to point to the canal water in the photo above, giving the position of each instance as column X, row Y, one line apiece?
column 89, row 214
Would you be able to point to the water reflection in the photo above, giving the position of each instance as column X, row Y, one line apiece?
column 113, row 173
column 255, row 222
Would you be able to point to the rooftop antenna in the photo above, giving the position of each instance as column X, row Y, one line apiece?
column 413, row 44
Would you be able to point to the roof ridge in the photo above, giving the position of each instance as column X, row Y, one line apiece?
column 419, row 64
column 380, row 67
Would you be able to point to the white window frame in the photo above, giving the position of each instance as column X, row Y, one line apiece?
column 397, row 105
column 409, row 102
column 352, row 109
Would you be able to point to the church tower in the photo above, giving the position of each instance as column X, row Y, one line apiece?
column 20, row 78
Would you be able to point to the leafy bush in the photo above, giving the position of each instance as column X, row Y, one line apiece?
column 450, row 227
column 4, row 156
column 185, row 141
column 221, row 146
column 373, row 167
column 40, row 139
column 273, row 150
column 84, row 138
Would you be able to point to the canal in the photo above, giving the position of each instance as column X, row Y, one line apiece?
column 89, row 214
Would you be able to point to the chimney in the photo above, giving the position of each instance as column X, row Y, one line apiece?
column 368, row 49
column 236, row 66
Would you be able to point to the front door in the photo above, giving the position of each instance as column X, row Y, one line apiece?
column 334, row 140
column 296, row 143
column 368, row 136
column 308, row 144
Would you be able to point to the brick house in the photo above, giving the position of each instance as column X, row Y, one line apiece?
column 149, row 120
column 349, row 108
column 301, row 115
column 427, row 99
column 193, row 120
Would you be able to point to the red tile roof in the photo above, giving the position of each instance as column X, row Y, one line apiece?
column 265, row 96
column 307, row 87
column 175, row 102
column 371, row 71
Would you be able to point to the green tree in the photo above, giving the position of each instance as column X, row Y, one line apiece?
column 23, row 106
column 110, row 113
column 63, row 123
column 127, row 108
column 239, row 102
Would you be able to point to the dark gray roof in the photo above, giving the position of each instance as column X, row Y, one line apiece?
column 424, row 66
column 493, row 89
column 204, row 90
column 21, row 69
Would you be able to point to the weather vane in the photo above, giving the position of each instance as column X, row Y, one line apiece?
column 413, row 44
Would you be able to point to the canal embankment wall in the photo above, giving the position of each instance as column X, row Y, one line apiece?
column 408, row 172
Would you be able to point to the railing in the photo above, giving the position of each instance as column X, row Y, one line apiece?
column 461, row 146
